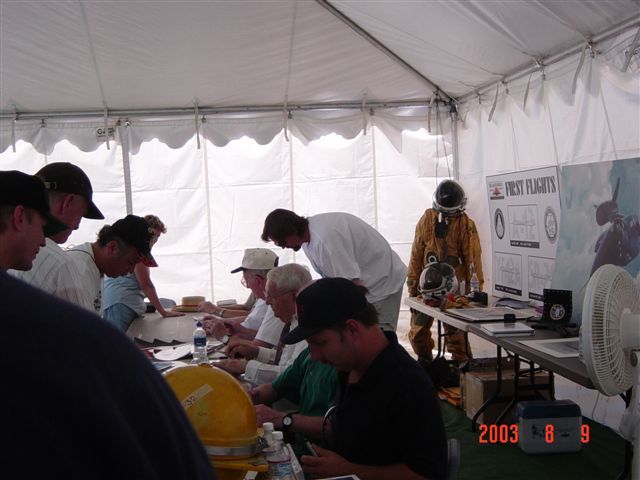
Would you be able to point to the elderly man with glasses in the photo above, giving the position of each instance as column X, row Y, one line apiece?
column 260, row 326
column 259, row 364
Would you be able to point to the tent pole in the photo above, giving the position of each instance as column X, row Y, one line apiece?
column 188, row 111
column 454, row 142
column 379, row 45
column 126, row 165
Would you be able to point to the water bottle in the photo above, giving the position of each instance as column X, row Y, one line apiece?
column 267, row 433
column 475, row 283
column 279, row 460
column 199, row 345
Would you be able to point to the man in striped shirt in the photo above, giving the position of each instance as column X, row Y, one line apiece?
column 70, row 197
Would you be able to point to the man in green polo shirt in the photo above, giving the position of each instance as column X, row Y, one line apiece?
column 310, row 385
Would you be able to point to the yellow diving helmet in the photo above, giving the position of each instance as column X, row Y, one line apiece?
column 219, row 409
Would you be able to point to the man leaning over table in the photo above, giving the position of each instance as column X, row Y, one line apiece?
column 71, row 198
column 116, row 252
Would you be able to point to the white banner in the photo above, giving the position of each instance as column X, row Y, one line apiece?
column 525, row 220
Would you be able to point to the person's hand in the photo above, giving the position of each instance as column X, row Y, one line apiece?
column 268, row 414
column 326, row 464
column 235, row 366
column 207, row 307
column 235, row 328
column 171, row 313
column 242, row 350
column 210, row 326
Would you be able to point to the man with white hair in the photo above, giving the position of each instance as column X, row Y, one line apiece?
column 261, row 365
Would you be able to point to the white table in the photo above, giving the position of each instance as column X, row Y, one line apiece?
column 153, row 327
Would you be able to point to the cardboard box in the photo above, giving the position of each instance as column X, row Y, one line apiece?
column 480, row 386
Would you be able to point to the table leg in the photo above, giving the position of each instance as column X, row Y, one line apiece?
column 496, row 394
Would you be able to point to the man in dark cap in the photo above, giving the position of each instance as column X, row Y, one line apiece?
column 387, row 419
column 71, row 198
column 25, row 218
column 116, row 252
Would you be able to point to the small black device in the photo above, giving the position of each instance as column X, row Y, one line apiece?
column 441, row 229
column 509, row 318
column 481, row 297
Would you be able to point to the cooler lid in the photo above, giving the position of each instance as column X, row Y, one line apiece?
column 547, row 409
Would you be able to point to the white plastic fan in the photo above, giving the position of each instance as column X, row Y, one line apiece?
column 611, row 343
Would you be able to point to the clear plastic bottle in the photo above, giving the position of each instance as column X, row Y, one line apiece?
column 267, row 433
column 279, row 459
column 199, row 345
column 474, row 284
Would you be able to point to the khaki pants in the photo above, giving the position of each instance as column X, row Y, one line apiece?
column 423, row 343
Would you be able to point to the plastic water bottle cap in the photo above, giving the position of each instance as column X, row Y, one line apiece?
column 278, row 435
column 267, row 427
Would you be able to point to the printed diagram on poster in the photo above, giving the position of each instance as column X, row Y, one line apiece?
column 525, row 213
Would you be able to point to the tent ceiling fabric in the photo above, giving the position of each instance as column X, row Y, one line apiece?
column 61, row 56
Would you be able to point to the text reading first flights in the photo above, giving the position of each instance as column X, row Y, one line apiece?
column 530, row 186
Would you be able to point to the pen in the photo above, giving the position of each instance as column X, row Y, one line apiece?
column 310, row 448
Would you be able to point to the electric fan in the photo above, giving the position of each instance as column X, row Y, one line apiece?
column 611, row 343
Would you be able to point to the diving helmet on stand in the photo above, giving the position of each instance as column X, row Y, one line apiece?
column 437, row 281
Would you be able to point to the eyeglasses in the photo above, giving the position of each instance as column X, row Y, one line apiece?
column 245, row 283
column 270, row 298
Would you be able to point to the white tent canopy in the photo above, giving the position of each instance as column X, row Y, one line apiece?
column 220, row 111
column 151, row 59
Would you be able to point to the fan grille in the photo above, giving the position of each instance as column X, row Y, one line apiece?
column 613, row 291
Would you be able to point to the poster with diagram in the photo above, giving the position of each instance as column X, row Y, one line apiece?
column 525, row 220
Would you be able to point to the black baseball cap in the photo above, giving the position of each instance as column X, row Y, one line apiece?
column 135, row 231
column 326, row 303
column 18, row 188
column 68, row 178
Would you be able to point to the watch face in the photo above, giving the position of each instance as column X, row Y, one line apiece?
column 225, row 339
column 287, row 421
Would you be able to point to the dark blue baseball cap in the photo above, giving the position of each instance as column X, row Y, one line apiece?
column 326, row 303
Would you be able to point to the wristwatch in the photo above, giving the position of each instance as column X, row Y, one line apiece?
column 225, row 339
column 287, row 422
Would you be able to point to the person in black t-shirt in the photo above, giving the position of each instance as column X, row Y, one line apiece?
column 387, row 423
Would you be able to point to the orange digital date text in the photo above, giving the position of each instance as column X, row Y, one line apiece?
column 503, row 434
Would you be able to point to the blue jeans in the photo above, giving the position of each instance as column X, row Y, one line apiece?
column 120, row 316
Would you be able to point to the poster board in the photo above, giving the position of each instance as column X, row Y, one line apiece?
column 600, row 212
column 525, row 220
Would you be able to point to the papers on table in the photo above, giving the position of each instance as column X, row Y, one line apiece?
column 507, row 329
column 556, row 347
column 486, row 314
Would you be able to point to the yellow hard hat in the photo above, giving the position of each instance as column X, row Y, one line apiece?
column 219, row 409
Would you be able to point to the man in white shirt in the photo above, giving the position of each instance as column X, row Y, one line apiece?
column 262, row 365
column 70, row 197
column 260, row 326
column 116, row 252
column 25, row 219
column 341, row 245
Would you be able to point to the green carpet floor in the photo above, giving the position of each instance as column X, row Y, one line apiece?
column 600, row 459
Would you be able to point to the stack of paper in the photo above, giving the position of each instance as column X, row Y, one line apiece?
column 507, row 329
